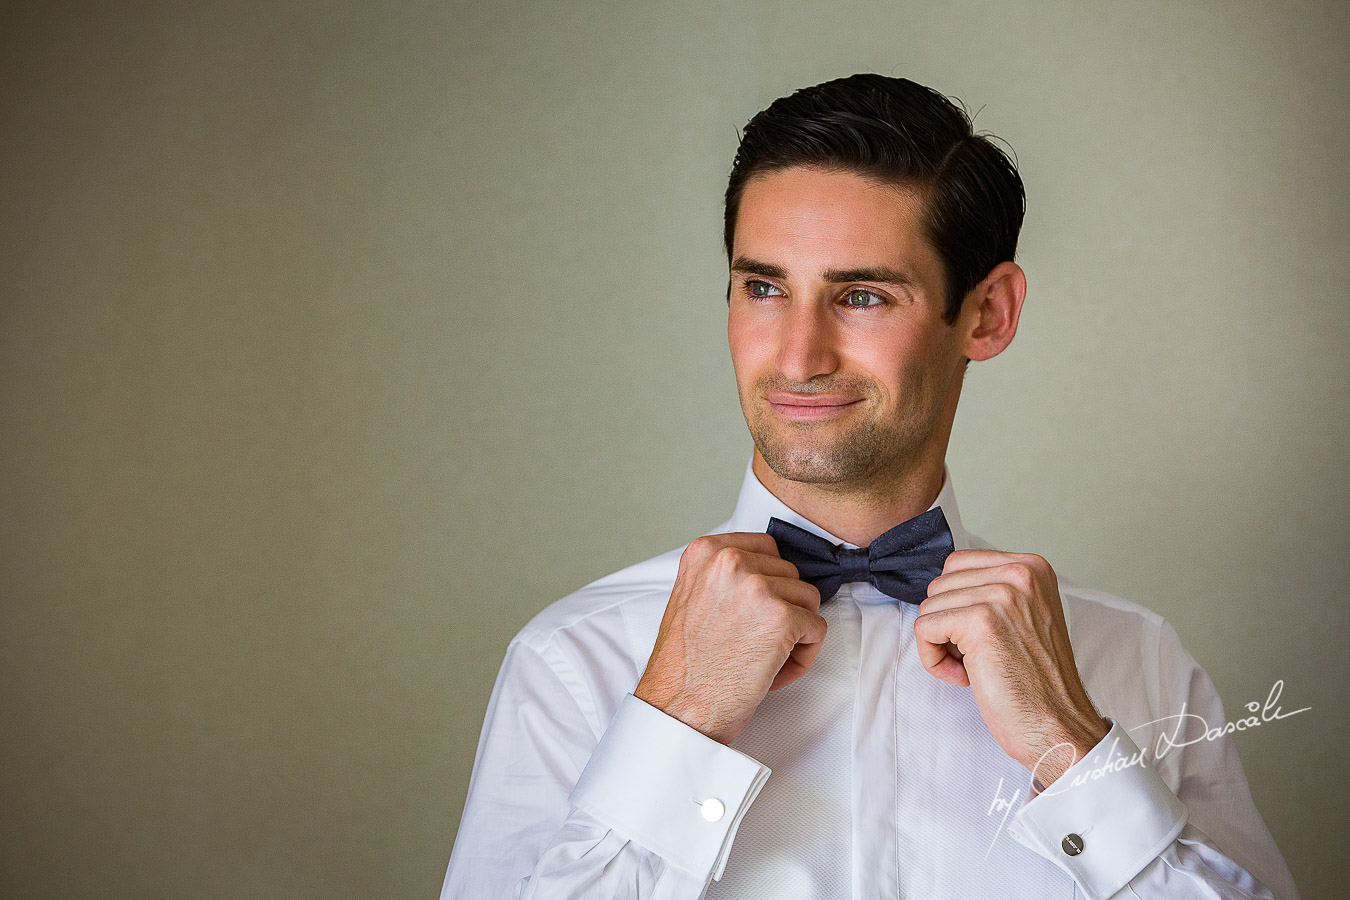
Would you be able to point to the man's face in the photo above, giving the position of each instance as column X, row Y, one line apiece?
column 837, row 298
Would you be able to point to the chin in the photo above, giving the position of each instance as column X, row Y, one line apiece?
column 805, row 464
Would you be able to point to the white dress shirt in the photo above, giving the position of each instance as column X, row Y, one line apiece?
column 866, row 778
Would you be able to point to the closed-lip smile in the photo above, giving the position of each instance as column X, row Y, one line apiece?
column 809, row 406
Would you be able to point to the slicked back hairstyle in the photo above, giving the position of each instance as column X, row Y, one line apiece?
column 902, row 133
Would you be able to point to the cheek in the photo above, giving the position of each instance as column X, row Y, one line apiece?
column 899, row 373
column 889, row 362
column 748, row 346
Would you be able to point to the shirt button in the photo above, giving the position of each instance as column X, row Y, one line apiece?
column 1072, row 844
column 713, row 809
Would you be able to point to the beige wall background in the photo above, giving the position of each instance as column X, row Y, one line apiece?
column 308, row 310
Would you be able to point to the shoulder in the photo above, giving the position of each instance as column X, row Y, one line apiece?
column 620, row 593
column 596, row 640
column 1116, row 644
column 599, row 637
column 634, row 594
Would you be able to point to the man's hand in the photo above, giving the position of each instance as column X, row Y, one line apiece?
column 739, row 624
column 994, row 621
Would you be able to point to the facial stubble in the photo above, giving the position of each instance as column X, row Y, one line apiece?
column 848, row 452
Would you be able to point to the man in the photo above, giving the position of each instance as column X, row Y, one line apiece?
column 940, row 718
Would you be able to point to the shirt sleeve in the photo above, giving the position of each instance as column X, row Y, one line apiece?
column 640, row 808
column 1132, row 822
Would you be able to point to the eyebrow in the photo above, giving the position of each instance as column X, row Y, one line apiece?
column 878, row 274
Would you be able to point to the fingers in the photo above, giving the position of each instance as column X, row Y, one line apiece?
column 775, row 565
column 979, row 558
column 750, row 551
column 952, row 671
column 976, row 558
column 759, row 541
column 931, row 639
column 811, row 631
column 797, row 663
column 794, row 591
column 739, row 622
column 1010, row 600
column 950, row 598
column 810, row 627
column 753, row 541
column 765, row 548
column 936, row 645
column 1014, row 572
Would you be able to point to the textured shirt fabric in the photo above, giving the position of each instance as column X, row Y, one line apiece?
column 866, row 778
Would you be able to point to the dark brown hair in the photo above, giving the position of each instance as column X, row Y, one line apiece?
column 903, row 133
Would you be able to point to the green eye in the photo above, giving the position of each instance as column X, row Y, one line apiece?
column 860, row 292
column 753, row 289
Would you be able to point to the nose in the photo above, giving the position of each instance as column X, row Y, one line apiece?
column 807, row 340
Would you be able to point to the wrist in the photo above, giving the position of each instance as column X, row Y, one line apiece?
column 1073, row 743
column 674, row 704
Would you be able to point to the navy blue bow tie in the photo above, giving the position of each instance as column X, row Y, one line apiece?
column 899, row 563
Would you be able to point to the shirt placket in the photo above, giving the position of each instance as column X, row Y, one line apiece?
column 875, row 839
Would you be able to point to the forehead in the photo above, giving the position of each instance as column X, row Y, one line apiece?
column 806, row 220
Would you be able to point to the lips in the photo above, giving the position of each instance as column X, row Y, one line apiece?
column 805, row 407
column 785, row 399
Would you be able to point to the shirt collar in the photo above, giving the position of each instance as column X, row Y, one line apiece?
column 757, row 504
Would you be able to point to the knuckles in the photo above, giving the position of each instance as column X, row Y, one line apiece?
column 756, row 585
column 700, row 548
column 1020, row 575
column 709, row 550
column 730, row 560
column 986, row 615
column 778, row 616
column 1037, row 564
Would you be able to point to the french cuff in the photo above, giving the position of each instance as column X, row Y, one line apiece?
column 670, row 788
column 1106, row 818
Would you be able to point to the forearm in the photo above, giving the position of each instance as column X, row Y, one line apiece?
column 1115, row 825
column 639, row 807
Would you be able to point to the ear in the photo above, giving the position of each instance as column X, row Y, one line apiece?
column 991, row 309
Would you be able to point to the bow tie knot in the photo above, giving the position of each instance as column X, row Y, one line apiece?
column 853, row 564
column 900, row 563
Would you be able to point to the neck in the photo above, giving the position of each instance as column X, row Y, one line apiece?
column 858, row 513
